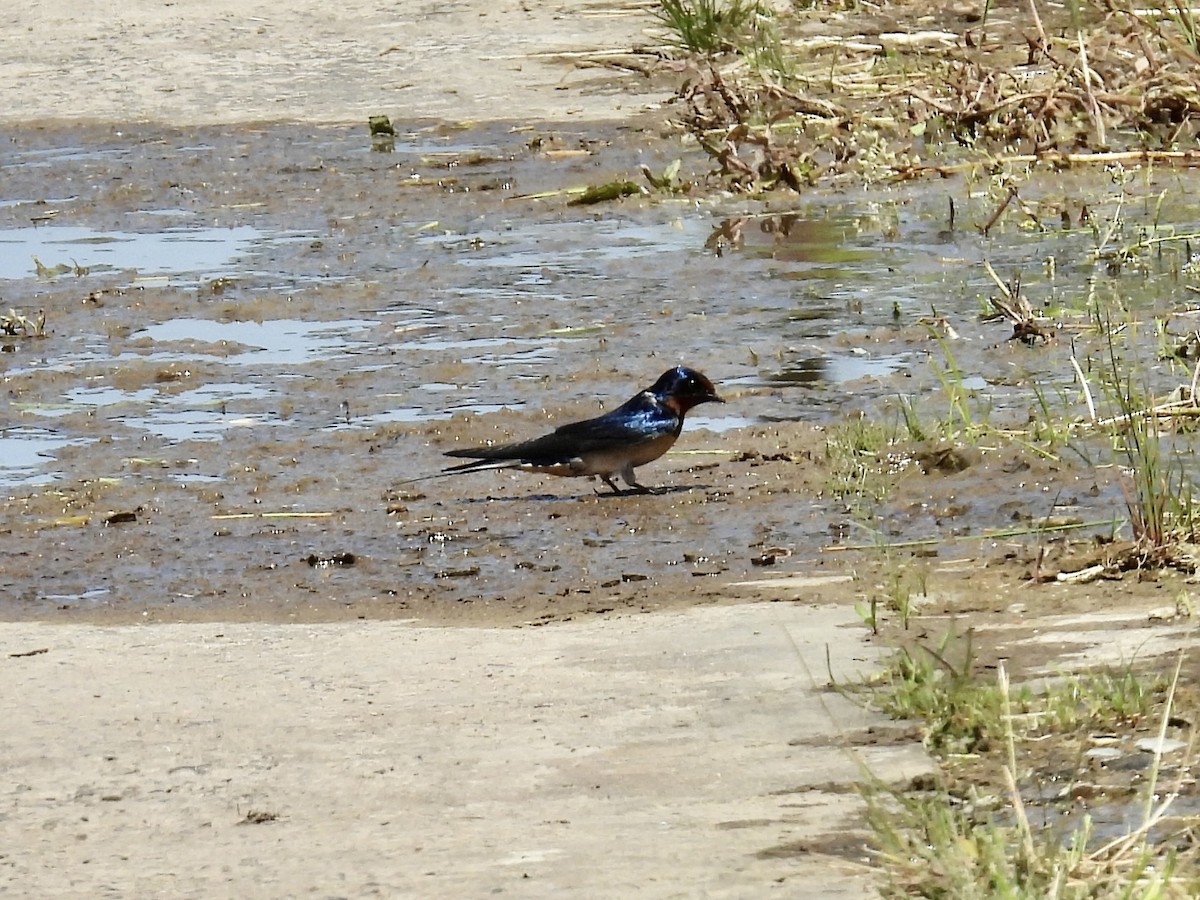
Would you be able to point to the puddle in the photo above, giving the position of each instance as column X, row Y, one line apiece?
column 275, row 342
column 535, row 247
column 535, row 347
column 25, row 453
column 812, row 246
column 199, row 414
column 427, row 414
column 837, row 369
column 193, row 424
column 719, row 424
column 1113, row 821
column 75, row 250
column 100, row 396
column 46, row 157
column 92, row 595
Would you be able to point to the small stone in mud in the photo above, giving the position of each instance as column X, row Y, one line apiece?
column 467, row 572
column 336, row 559
column 120, row 518
column 537, row 567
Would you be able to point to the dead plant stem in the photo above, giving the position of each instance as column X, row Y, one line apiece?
column 1087, row 391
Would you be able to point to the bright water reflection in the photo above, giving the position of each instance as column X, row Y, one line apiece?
column 197, row 251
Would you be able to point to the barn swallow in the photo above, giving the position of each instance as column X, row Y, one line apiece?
column 640, row 430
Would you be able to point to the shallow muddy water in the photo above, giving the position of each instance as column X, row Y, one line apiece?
column 256, row 336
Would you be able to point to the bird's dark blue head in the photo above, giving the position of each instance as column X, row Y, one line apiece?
column 682, row 388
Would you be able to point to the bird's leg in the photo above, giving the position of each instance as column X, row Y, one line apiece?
column 634, row 486
column 607, row 479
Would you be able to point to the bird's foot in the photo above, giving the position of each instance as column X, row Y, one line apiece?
column 613, row 490
column 632, row 490
column 635, row 488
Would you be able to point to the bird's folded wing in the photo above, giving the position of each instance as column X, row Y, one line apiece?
column 605, row 433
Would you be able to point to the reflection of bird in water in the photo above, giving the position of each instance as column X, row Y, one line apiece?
column 637, row 432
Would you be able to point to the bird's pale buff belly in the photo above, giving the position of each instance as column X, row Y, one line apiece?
column 611, row 461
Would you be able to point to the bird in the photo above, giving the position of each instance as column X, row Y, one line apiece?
column 637, row 432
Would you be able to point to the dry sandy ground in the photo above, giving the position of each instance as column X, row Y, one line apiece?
column 674, row 755
column 225, row 61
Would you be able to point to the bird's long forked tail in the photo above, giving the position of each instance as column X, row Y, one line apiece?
column 477, row 465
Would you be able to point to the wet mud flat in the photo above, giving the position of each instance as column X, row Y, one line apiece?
column 254, row 336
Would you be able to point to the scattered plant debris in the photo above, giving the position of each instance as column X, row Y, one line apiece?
column 785, row 98
column 259, row 817
column 15, row 324
column 613, row 190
